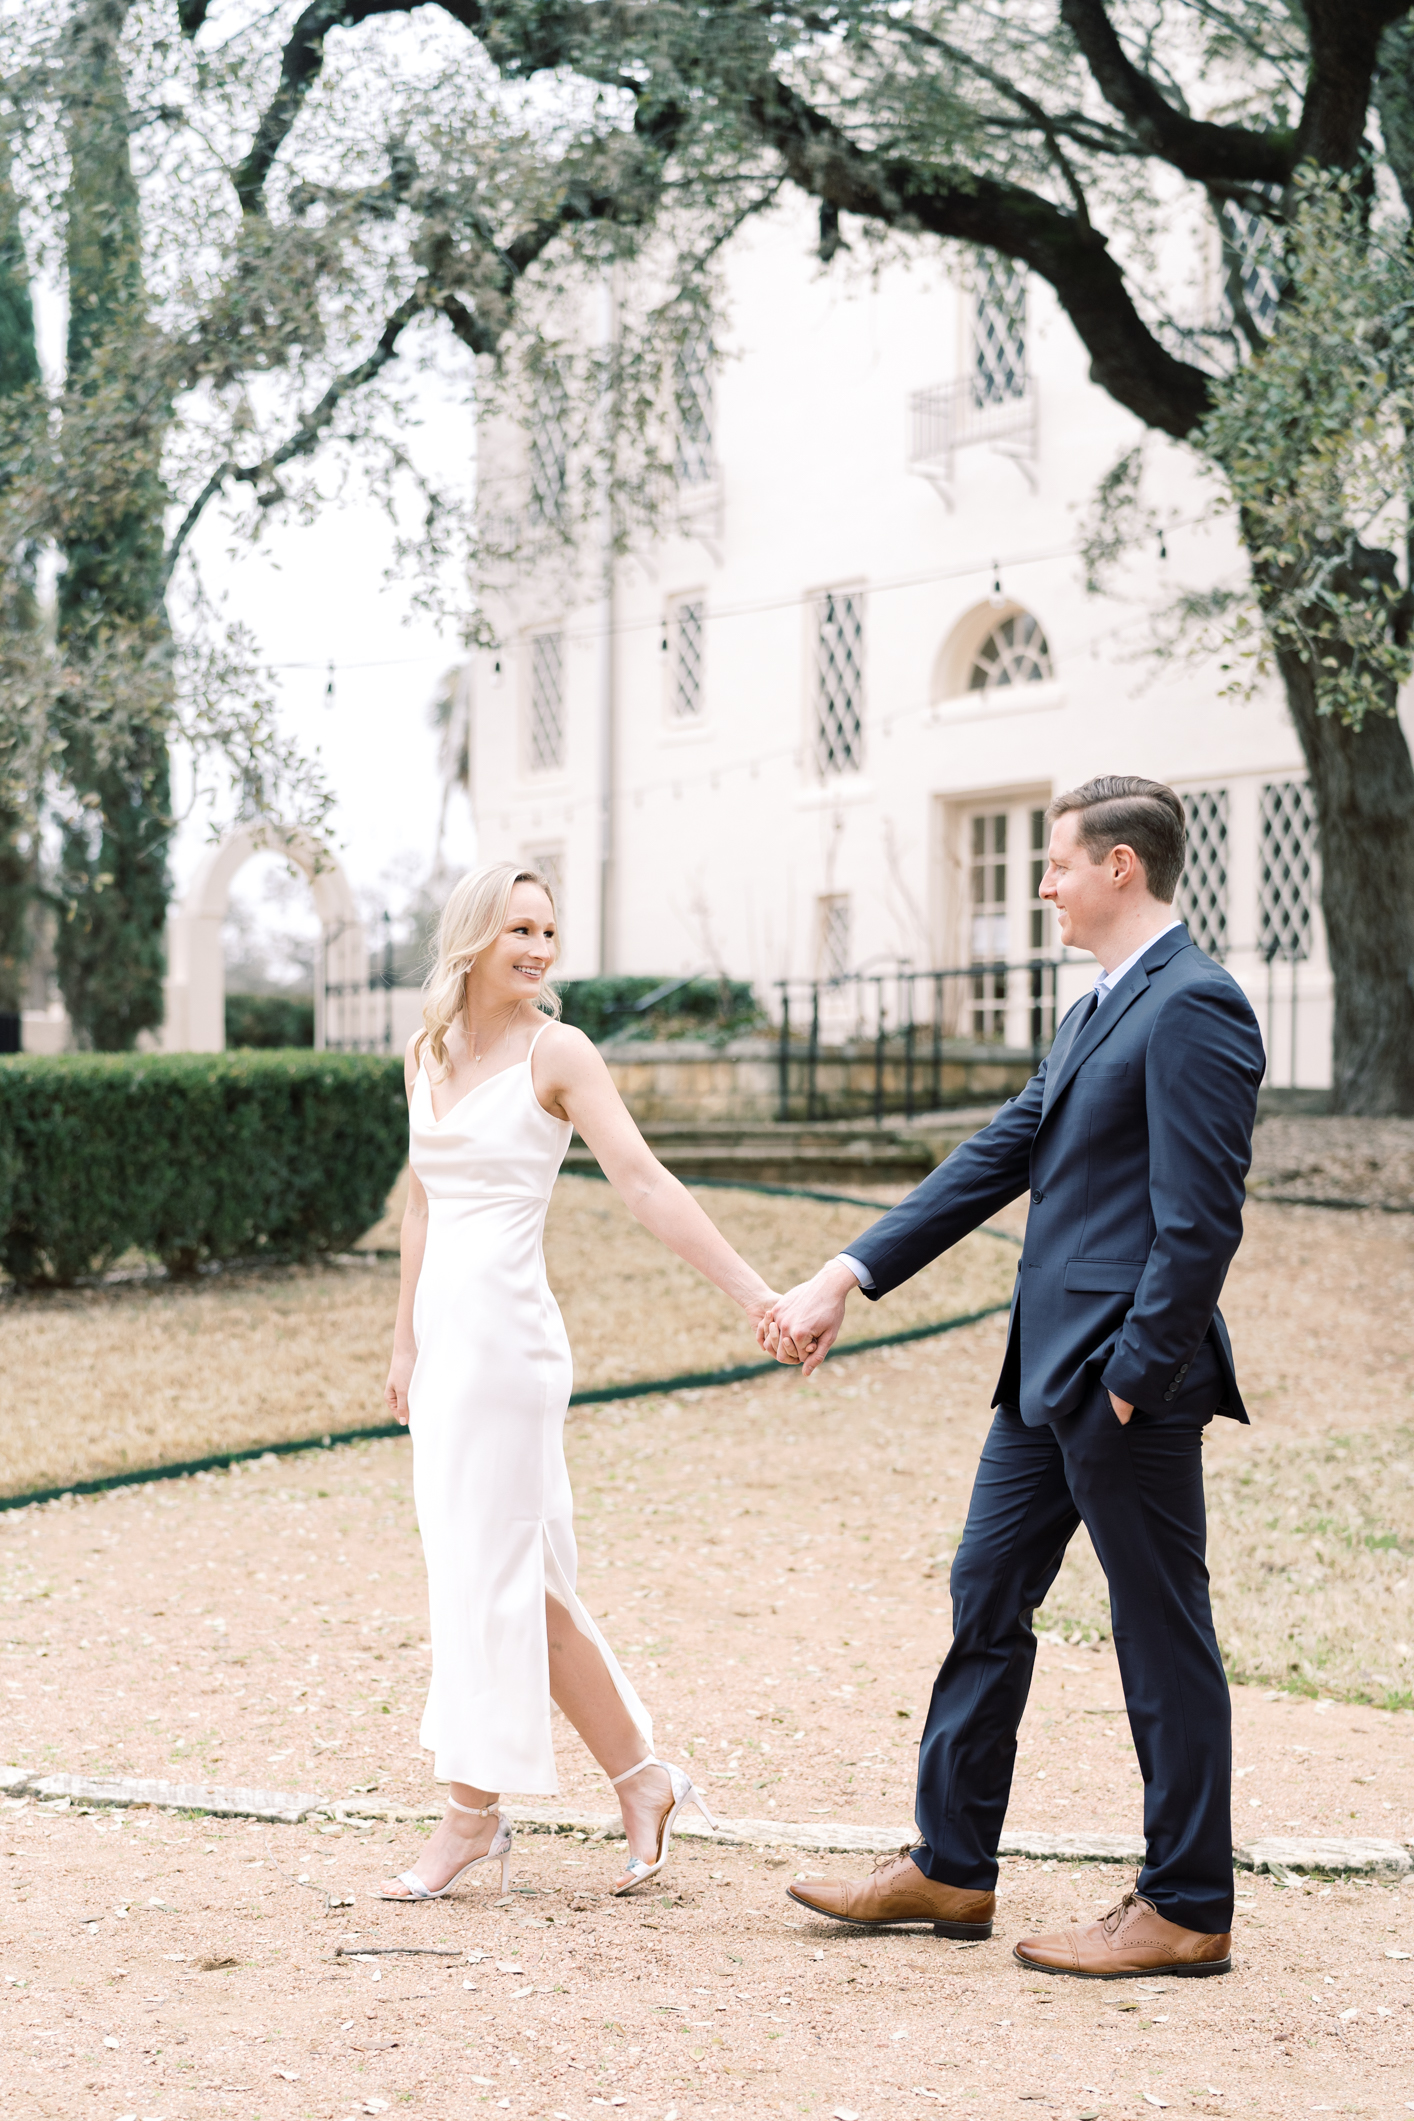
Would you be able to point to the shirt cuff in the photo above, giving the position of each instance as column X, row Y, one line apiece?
column 857, row 1268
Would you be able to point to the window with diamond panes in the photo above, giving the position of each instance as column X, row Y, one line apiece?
column 549, row 862
column 839, row 683
column 688, row 648
column 834, row 936
column 1202, row 893
column 1286, row 870
column 549, row 450
column 1015, row 652
column 694, row 410
column 999, row 333
column 1254, row 247
column 546, row 733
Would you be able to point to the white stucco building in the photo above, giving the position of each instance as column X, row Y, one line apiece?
column 815, row 731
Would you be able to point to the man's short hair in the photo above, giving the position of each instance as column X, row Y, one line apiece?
column 1122, row 810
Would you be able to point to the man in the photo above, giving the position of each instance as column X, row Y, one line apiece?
column 1133, row 1141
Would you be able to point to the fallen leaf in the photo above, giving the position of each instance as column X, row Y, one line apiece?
column 1391, row 1954
column 508, row 1966
column 1150, row 2100
column 109, row 2041
column 288, row 2075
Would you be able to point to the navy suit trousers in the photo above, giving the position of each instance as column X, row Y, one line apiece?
column 1138, row 1490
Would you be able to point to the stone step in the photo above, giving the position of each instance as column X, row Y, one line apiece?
column 828, row 1154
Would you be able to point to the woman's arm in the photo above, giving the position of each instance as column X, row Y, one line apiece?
column 572, row 1081
column 413, row 1243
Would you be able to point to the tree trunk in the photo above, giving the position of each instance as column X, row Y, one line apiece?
column 111, row 613
column 19, row 617
column 1362, row 783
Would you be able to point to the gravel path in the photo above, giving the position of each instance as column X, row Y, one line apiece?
column 770, row 1560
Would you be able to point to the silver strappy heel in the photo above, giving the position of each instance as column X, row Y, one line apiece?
column 684, row 1792
column 501, row 1847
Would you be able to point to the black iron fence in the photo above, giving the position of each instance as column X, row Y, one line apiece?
column 875, row 1044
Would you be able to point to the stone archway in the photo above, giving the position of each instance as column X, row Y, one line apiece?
column 195, row 1020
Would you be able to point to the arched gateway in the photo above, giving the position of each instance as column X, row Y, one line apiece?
column 195, row 1019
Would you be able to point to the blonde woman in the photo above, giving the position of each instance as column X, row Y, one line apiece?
column 481, row 1373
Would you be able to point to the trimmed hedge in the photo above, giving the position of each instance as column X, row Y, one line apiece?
column 614, row 1007
column 265, row 1020
column 192, row 1156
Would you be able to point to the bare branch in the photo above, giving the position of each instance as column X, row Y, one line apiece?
column 1198, row 149
column 916, row 33
column 1127, row 360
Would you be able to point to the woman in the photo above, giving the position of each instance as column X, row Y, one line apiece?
column 481, row 1370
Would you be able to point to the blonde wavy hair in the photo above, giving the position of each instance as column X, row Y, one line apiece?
column 471, row 920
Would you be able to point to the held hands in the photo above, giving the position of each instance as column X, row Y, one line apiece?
column 805, row 1323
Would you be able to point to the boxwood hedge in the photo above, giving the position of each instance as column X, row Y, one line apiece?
column 192, row 1156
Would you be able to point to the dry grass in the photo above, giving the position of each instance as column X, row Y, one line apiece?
column 1312, row 1511
column 1311, row 1547
column 146, row 1373
column 1318, row 1158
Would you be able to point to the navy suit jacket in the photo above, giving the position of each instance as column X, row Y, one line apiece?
column 1133, row 1140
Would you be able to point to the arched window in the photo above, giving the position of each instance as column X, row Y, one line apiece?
column 1013, row 653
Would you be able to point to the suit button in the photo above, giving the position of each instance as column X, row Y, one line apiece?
column 1170, row 1394
column 1038, row 1198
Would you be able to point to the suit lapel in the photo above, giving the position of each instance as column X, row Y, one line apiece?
column 1108, row 1014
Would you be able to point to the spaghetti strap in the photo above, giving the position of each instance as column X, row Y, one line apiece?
column 539, row 1035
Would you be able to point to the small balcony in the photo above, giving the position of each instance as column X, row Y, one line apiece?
column 947, row 417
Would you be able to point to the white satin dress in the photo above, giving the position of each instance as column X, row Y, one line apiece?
column 487, row 1403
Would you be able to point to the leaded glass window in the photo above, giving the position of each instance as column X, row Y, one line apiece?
column 549, row 862
column 688, row 655
column 547, row 702
column 1254, row 258
column 1015, row 652
column 1286, row 870
column 549, row 450
column 839, row 682
column 1202, row 893
column 834, row 936
column 694, row 408
column 999, row 333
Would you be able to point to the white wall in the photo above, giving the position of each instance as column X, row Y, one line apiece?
column 726, row 836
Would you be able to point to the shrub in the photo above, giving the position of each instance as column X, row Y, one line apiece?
column 658, row 1008
column 264, row 1020
column 192, row 1156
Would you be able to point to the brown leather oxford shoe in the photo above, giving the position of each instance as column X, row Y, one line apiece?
column 896, row 1892
column 1131, row 1940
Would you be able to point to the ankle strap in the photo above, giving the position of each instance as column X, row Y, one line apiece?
column 651, row 1761
column 475, row 1811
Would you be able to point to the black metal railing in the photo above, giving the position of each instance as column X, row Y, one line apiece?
column 875, row 1044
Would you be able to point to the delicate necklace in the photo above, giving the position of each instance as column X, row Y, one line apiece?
column 477, row 1057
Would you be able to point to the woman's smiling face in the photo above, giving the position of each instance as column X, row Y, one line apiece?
column 515, row 966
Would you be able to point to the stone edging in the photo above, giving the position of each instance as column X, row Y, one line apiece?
column 1281, row 1858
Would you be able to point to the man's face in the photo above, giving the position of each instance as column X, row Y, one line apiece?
column 1082, row 891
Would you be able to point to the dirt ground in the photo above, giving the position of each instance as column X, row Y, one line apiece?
column 770, row 1561
column 146, row 1372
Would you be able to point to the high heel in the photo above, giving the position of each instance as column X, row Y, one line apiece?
column 684, row 1792
column 500, row 1847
